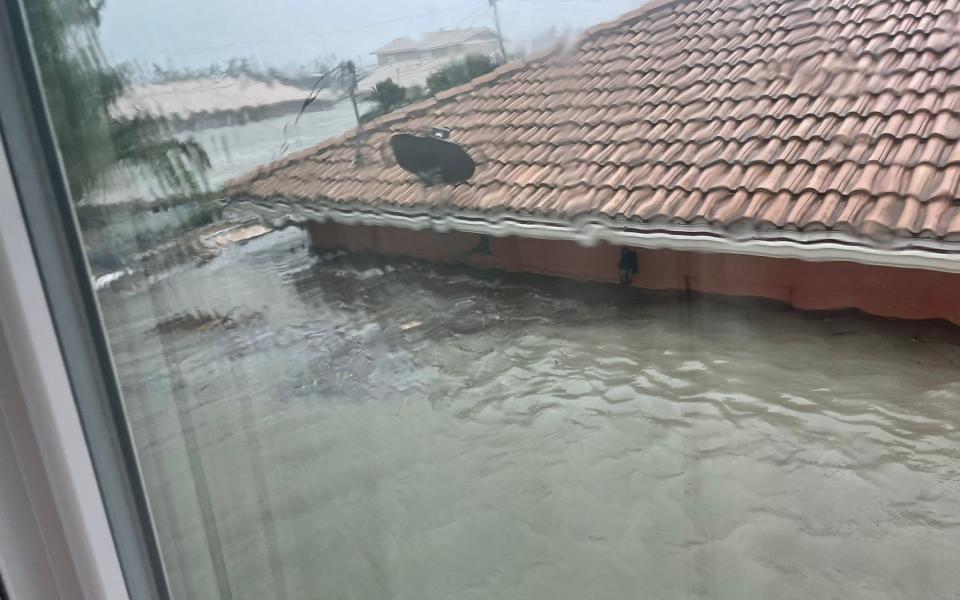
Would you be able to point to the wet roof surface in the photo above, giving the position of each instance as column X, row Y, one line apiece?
column 776, row 114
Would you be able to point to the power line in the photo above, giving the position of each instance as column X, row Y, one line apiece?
column 407, row 18
column 472, row 17
column 568, row 1
column 274, row 40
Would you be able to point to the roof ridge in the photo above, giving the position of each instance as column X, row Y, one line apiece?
column 650, row 7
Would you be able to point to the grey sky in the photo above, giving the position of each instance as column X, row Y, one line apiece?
column 192, row 33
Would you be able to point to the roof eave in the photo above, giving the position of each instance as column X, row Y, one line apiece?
column 588, row 230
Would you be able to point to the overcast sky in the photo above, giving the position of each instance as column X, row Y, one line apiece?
column 194, row 33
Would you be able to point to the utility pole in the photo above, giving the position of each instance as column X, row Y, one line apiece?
column 496, row 19
column 350, row 70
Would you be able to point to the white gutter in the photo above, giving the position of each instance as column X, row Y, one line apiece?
column 814, row 246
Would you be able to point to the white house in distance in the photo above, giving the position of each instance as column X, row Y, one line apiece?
column 439, row 44
column 409, row 62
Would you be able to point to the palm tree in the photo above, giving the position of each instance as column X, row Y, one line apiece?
column 80, row 89
column 387, row 96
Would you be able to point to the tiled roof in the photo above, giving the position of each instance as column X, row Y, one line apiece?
column 398, row 45
column 436, row 39
column 838, row 115
column 441, row 39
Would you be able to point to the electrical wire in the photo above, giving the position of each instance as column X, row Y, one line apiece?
column 311, row 97
column 274, row 40
column 315, row 90
column 566, row 1
column 473, row 16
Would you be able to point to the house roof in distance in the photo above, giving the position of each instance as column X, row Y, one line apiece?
column 437, row 39
column 189, row 97
column 796, row 117
column 398, row 45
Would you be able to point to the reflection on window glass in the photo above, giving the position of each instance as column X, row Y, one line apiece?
column 528, row 298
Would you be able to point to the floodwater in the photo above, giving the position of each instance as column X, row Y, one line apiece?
column 369, row 429
column 234, row 150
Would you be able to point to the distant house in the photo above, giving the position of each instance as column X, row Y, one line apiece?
column 409, row 62
column 439, row 44
column 806, row 151
column 215, row 102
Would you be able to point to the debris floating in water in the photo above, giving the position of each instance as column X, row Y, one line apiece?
column 205, row 321
column 234, row 235
column 104, row 281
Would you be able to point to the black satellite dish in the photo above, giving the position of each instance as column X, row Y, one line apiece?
column 433, row 159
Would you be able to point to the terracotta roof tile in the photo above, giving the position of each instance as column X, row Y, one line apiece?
column 837, row 114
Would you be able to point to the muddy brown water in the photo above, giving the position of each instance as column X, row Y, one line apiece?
column 390, row 429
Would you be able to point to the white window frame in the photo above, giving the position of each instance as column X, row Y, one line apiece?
column 74, row 518
column 55, row 540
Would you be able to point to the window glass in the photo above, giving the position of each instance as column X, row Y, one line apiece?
column 527, row 298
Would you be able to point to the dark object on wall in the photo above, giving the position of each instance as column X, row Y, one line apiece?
column 627, row 265
column 486, row 245
column 435, row 161
column 484, row 248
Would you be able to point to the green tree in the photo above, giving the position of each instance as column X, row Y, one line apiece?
column 387, row 96
column 80, row 89
column 415, row 92
column 459, row 72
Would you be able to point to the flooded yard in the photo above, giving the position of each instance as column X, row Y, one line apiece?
column 390, row 429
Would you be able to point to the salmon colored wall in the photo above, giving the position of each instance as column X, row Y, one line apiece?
column 883, row 291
